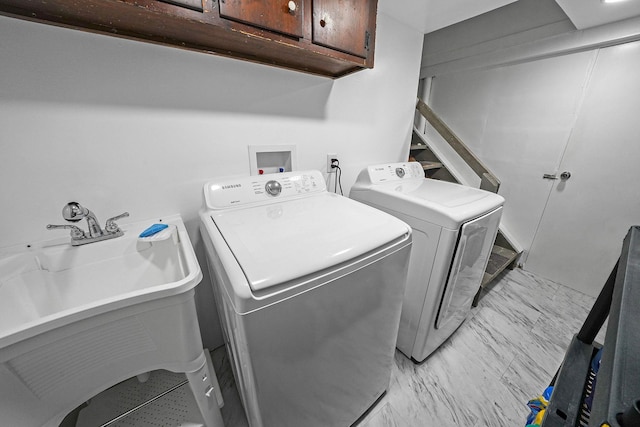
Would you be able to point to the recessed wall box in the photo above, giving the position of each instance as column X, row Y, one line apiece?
column 272, row 159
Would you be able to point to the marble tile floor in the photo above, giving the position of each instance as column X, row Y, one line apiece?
column 504, row 354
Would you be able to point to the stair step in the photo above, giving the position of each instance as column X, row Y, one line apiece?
column 430, row 165
column 499, row 259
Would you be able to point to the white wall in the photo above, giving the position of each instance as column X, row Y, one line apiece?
column 121, row 126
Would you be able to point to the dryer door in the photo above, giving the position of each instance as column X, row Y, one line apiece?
column 468, row 266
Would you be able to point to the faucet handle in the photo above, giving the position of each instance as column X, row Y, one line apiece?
column 110, row 225
column 76, row 232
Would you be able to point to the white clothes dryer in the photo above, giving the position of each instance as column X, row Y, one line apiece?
column 308, row 286
column 454, row 228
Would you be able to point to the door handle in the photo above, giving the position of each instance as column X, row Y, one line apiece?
column 563, row 176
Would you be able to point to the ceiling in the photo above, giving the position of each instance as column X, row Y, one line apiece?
column 430, row 15
column 590, row 13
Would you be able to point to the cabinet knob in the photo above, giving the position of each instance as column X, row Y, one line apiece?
column 292, row 6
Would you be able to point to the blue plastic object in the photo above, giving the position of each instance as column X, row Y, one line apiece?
column 154, row 229
column 595, row 367
column 538, row 405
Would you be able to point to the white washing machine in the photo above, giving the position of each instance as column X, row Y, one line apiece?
column 454, row 228
column 308, row 285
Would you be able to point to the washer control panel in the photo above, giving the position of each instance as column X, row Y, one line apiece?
column 395, row 172
column 261, row 188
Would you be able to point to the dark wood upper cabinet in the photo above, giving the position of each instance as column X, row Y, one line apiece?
column 342, row 25
column 331, row 38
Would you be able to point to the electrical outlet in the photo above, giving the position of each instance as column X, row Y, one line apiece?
column 330, row 157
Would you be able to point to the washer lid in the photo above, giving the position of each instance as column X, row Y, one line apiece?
column 438, row 202
column 278, row 242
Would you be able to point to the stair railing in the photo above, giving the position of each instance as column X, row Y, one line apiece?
column 488, row 181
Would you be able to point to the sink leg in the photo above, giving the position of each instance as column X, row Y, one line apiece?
column 204, row 385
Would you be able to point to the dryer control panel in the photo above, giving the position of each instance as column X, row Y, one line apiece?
column 394, row 172
column 257, row 189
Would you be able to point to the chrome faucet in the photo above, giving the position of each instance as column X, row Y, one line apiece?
column 74, row 212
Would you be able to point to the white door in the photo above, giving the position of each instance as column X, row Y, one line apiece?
column 587, row 216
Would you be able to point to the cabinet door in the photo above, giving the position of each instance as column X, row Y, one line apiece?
column 344, row 25
column 283, row 16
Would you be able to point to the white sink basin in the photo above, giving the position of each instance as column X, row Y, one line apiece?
column 51, row 283
column 75, row 321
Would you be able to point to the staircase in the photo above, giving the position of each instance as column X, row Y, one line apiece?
column 504, row 253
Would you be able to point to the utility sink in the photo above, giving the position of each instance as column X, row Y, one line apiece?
column 75, row 320
column 48, row 284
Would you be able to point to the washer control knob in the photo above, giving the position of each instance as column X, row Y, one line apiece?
column 273, row 188
column 400, row 172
